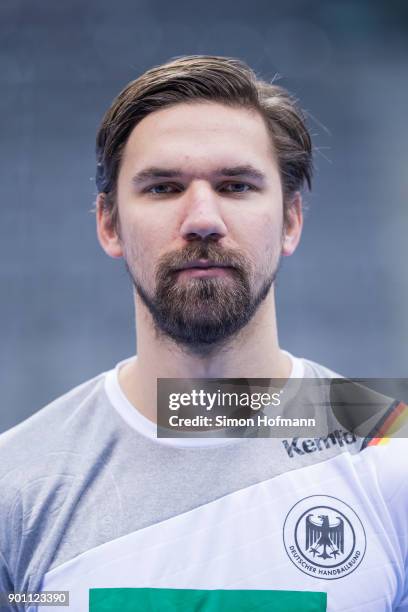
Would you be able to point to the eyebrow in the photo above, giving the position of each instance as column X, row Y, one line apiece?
column 246, row 170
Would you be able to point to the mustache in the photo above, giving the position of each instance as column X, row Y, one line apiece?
column 201, row 250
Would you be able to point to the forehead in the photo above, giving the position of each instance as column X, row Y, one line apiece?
column 202, row 132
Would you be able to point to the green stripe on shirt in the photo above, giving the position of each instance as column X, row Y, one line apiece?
column 192, row 600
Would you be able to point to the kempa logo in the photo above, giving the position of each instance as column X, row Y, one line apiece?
column 324, row 537
column 310, row 445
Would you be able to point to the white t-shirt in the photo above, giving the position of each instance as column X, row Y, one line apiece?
column 94, row 504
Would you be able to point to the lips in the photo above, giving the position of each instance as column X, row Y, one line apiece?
column 202, row 264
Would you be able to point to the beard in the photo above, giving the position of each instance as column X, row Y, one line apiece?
column 201, row 313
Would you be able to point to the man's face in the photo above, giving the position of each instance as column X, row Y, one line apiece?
column 200, row 219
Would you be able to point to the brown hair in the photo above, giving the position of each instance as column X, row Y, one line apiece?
column 205, row 78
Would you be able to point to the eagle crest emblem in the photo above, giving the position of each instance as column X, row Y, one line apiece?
column 324, row 537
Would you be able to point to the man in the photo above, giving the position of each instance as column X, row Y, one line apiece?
column 200, row 172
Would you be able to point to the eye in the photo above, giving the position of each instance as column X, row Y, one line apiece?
column 162, row 189
column 237, row 187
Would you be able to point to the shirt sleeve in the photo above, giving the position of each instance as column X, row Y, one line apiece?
column 398, row 504
column 402, row 605
column 6, row 586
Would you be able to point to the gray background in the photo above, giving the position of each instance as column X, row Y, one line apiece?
column 66, row 309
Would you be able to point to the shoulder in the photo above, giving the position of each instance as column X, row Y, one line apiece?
column 379, row 421
column 46, row 465
column 51, row 428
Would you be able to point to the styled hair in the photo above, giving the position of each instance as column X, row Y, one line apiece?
column 196, row 78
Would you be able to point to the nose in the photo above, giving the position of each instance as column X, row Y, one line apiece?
column 201, row 215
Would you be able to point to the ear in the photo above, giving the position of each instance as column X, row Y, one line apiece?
column 107, row 231
column 293, row 225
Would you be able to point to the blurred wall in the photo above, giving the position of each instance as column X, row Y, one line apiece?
column 66, row 309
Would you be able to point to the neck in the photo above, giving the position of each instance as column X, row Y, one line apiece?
column 252, row 353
